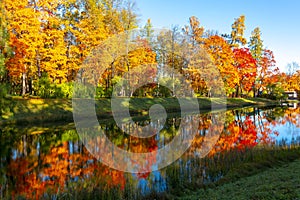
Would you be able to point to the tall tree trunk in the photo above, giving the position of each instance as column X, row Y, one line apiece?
column 241, row 91
column 30, row 88
column 38, row 63
column 23, row 83
column 254, row 94
column 237, row 91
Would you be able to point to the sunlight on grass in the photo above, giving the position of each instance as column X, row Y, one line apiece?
column 37, row 101
column 31, row 110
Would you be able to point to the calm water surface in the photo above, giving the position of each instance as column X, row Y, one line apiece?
column 48, row 160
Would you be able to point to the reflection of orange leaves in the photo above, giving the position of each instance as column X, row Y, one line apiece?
column 35, row 184
column 244, row 133
column 274, row 123
column 197, row 141
column 27, row 181
column 144, row 145
column 205, row 122
column 118, row 178
column 238, row 135
column 143, row 175
column 264, row 138
column 59, row 167
column 249, row 134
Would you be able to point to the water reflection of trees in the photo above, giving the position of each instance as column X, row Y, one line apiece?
column 56, row 161
column 246, row 128
column 33, row 172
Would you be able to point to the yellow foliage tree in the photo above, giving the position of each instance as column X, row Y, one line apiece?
column 222, row 56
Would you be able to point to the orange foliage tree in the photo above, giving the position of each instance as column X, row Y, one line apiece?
column 222, row 56
column 246, row 67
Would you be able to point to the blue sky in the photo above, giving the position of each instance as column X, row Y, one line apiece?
column 279, row 20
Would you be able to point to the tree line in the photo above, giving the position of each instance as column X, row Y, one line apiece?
column 43, row 44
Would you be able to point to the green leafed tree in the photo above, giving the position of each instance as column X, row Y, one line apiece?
column 256, row 48
column 256, row 44
column 4, row 45
column 147, row 31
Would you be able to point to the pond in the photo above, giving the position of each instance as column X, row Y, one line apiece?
column 50, row 161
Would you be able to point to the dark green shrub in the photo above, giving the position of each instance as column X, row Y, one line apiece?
column 43, row 86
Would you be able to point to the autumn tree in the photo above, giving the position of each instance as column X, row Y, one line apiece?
column 24, row 24
column 222, row 56
column 194, row 31
column 200, row 72
column 142, row 65
column 202, row 68
column 119, row 60
column 119, row 16
column 171, row 50
column 256, row 44
column 54, row 38
column 246, row 67
column 82, row 23
column 51, row 54
column 266, row 71
column 5, row 52
column 256, row 48
column 295, row 82
column 236, row 36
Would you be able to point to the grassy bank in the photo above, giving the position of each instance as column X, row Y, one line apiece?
column 34, row 110
column 279, row 182
column 246, row 175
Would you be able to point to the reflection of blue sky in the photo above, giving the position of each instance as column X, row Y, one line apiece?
column 158, row 182
column 286, row 131
column 143, row 185
column 155, row 182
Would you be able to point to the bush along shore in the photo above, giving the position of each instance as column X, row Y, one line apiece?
column 17, row 110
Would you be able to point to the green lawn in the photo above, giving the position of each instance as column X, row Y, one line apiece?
column 281, row 182
column 19, row 110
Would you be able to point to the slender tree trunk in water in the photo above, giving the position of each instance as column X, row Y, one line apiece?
column 23, row 83
column 68, row 167
column 24, row 145
column 254, row 116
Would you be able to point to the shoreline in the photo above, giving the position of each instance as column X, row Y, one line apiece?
column 21, row 111
column 274, row 182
